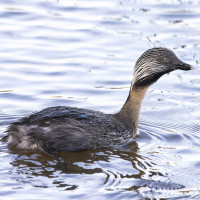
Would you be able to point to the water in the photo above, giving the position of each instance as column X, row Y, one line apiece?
column 82, row 53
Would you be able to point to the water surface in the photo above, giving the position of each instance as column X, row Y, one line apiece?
column 82, row 54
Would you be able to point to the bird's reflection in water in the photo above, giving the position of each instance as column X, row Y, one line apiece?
column 117, row 167
column 66, row 162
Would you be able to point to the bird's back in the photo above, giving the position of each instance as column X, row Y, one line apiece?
column 60, row 128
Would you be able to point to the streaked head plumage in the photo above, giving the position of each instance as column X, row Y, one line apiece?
column 154, row 63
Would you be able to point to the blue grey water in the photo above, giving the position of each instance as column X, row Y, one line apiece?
column 81, row 53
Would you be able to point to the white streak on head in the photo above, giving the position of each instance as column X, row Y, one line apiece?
column 152, row 64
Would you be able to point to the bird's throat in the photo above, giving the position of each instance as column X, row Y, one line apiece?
column 130, row 112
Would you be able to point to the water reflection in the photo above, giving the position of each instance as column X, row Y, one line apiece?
column 121, row 169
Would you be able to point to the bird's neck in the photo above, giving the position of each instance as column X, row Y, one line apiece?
column 130, row 112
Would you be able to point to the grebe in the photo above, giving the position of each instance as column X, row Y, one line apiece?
column 60, row 128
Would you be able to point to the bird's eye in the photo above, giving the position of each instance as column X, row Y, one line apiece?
column 165, row 59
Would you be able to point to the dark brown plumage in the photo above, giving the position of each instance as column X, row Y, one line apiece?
column 58, row 129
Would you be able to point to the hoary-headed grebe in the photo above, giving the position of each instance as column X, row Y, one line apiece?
column 58, row 129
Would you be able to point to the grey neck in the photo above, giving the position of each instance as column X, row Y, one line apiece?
column 130, row 112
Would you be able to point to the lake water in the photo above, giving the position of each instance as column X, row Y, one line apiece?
column 81, row 53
